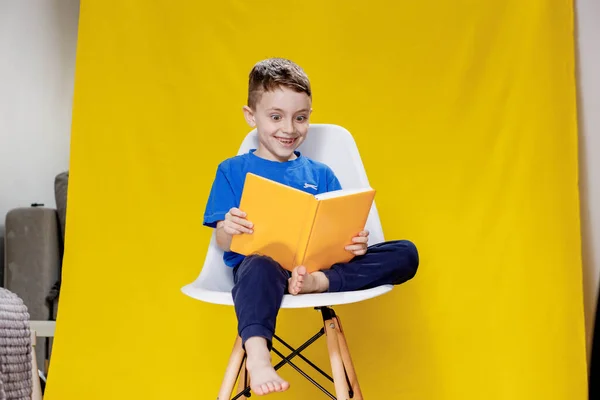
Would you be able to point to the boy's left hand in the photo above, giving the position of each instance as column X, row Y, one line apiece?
column 359, row 246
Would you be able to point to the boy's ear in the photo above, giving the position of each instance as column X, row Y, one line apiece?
column 249, row 115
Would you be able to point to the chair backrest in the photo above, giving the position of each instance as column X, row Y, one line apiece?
column 330, row 144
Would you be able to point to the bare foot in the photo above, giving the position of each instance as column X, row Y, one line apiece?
column 301, row 282
column 263, row 377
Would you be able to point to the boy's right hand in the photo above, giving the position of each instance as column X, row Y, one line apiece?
column 235, row 223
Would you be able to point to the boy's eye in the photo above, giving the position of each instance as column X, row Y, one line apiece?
column 301, row 118
column 276, row 117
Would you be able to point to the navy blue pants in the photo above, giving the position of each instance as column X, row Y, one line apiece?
column 260, row 282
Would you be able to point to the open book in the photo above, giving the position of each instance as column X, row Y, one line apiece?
column 297, row 228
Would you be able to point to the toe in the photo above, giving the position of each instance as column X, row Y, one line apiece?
column 257, row 390
column 271, row 387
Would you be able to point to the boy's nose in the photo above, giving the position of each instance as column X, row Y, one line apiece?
column 288, row 127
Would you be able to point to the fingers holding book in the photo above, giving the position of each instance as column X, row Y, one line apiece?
column 235, row 222
column 360, row 243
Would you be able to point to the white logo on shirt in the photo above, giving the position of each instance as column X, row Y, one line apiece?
column 308, row 185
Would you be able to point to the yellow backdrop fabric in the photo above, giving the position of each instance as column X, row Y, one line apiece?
column 465, row 116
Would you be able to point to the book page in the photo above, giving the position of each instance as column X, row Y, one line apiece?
column 341, row 192
column 337, row 221
column 279, row 214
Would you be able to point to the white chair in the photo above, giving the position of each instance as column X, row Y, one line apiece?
column 334, row 146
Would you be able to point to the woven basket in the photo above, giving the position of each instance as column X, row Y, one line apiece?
column 15, row 348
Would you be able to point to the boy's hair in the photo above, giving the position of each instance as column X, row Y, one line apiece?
column 271, row 73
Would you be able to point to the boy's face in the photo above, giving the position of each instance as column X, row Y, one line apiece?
column 281, row 118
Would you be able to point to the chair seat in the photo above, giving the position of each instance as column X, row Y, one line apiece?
column 289, row 301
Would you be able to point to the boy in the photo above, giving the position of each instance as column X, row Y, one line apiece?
column 279, row 106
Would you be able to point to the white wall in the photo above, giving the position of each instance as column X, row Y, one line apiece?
column 588, row 57
column 38, row 41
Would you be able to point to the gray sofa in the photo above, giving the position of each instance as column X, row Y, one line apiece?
column 33, row 250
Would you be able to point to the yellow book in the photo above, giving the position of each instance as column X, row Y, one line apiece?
column 297, row 228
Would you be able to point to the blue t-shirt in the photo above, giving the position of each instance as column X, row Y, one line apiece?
column 301, row 173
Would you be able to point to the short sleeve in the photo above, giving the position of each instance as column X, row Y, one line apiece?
column 332, row 181
column 220, row 200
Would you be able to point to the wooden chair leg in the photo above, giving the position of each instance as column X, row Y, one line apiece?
column 243, row 379
column 231, row 373
column 337, row 364
column 347, row 359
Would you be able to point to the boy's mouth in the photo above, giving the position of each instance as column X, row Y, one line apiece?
column 286, row 141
